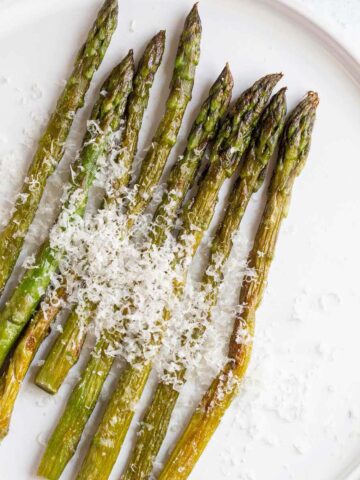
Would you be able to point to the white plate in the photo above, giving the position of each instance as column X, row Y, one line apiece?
column 298, row 416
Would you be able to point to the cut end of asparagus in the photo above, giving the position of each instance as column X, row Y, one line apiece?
column 4, row 430
column 48, row 388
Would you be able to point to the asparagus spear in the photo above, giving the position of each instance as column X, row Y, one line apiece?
column 230, row 144
column 107, row 114
column 67, row 348
column 186, row 61
column 138, row 101
column 82, row 401
column 51, row 145
column 37, row 330
column 293, row 153
column 157, row 417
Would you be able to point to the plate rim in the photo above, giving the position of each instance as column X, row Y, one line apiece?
column 326, row 30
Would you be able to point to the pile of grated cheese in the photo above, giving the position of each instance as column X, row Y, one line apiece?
column 119, row 280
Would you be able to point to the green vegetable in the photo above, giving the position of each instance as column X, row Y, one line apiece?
column 107, row 113
column 229, row 145
column 51, row 144
column 293, row 153
column 67, row 349
column 155, row 422
column 82, row 401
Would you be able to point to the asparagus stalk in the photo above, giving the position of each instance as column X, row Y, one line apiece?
column 186, row 61
column 293, row 153
column 157, row 417
column 51, row 144
column 107, row 114
column 39, row 327
column 66, row 436
column 231, row 142
column 67, row 348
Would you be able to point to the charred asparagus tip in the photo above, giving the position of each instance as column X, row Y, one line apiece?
column 110, row 5
column 278, row 75
column 160, row 35
column 313, row 97
column 227, row 72
column 193, row 16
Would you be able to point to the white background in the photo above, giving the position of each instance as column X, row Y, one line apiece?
column 299, row 411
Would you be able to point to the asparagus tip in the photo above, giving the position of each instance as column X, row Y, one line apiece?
column 129, row 59
column 161, row 35
column 110, row 6
column 313, row 97
column 269, row 80
column 113, row 3
column 159, row 39
column 226, row 75
column 193, row 17
column 281, row 92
